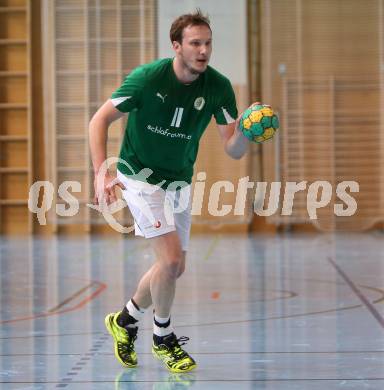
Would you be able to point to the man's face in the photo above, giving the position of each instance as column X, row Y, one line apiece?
column 195, row 49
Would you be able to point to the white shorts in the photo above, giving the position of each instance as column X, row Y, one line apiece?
column 156, row 211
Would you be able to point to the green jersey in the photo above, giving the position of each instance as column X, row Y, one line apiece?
column 167, row 118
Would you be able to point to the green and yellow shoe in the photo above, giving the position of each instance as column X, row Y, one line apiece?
column 172, row 355
column 124, row 339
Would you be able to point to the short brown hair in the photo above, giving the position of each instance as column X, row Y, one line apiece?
column 183, row 21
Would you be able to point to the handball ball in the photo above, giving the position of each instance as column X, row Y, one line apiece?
column 258, row 123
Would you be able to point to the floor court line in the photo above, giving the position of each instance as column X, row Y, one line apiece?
column 359, row 294
column 380, row 300
column 198, row 324
column 82, row 303
column 71, row 298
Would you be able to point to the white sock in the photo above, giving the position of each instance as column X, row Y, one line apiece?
column 133, row 312
column 162, row 331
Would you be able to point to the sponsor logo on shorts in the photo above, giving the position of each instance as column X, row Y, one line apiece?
column 157, row 224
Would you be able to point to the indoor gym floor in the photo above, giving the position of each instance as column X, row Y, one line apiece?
column 285, row 312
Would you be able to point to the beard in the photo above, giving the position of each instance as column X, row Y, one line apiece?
column 191, row 69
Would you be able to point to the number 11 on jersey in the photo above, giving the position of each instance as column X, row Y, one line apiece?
column 177, row 117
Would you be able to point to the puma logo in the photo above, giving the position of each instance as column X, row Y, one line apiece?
column 161, row 97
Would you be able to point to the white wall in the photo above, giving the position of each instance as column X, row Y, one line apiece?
column 228, row 23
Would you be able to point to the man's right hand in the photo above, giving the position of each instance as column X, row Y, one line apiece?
column 104, row 185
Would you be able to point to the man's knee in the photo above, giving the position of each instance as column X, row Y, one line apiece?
column 173, row 264
column 170, row 255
